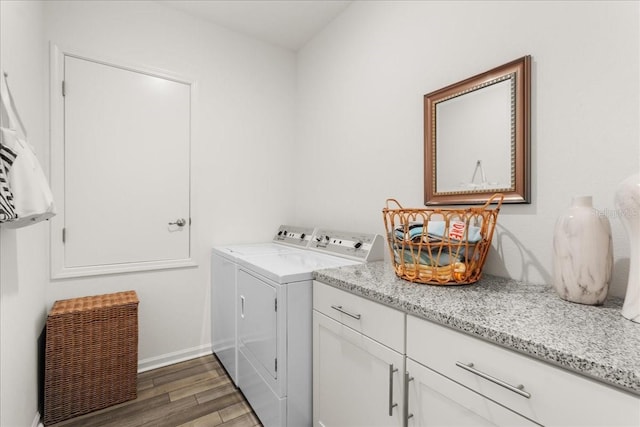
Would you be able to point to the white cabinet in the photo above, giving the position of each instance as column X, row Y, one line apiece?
column 538, row 391
column 357, row 381
column 379, row 322
column 445, row 377
column 435, row 400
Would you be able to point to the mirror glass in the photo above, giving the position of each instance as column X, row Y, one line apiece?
column 476, row 138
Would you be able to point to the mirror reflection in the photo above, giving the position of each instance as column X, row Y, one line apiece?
column 479, row 126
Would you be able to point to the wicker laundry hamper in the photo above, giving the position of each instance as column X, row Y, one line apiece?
column 91, row 354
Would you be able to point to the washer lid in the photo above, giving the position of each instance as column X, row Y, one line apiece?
column 288, row 267
column 235, row 252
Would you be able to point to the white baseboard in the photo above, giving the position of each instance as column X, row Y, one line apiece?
column 174, row 357
column 37, row 421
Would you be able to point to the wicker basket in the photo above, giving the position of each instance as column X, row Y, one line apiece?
column 440, row 246
column 91, row 354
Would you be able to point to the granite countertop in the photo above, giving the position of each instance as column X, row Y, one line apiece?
column 595, row 341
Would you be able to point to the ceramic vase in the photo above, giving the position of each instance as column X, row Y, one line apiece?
column 582, row 253
column 627, row 200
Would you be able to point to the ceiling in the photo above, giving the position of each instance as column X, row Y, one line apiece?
column 285, row 23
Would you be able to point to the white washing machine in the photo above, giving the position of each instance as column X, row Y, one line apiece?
column 274, row 322
column 224, row 264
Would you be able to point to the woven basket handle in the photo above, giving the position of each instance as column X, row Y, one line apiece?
column 393, row 201
column 493, row 199
column 497, row 196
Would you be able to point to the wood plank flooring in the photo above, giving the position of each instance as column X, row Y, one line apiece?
column 195, row 393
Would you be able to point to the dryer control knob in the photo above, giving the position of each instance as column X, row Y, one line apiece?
column 357, row 245
column 302, row 236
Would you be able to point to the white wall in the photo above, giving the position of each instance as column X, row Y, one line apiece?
column 243, row 124
column 360, row 89
column 23, row 252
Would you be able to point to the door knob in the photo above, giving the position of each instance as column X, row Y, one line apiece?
column 181, row 222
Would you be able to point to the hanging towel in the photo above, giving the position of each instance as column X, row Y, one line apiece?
column 7, row 207
column 31, row 194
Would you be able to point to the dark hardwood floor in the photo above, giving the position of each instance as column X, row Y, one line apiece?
column 195, row 393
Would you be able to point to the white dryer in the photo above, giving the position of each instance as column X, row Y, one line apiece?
column 224, row 264
column 274, row 322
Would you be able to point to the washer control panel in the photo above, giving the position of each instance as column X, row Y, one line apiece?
column 358, row 246
column 294, row 236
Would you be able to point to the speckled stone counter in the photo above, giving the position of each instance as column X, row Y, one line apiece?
column 594, row 341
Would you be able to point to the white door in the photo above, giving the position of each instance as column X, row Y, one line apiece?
column 356, row 380
column 435, row 400
column 126, row 157
column 257, row 322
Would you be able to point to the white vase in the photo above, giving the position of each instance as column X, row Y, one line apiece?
column 582, row 253
column 627, row 200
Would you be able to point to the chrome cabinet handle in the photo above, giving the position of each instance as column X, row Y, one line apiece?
column 519, row 389
column 181, row 222
column 391, row 404
column 343, row 311
column 242, row 306
column 407, row 379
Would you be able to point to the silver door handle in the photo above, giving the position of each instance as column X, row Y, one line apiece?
column 181, row 222
column 343, row 311
column 391, row 404
column 407, row 379
column 242, row 306
column 519, row 389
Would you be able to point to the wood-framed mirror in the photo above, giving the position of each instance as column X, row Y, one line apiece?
column 477, row 137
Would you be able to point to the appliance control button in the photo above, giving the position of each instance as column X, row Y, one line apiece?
column 302, row 236
column 357, row 245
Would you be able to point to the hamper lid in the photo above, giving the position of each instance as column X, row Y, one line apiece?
column 93, row 302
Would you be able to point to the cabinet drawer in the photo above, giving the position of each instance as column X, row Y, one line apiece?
column 435, row 400
column 382, row 323
column 556, row 396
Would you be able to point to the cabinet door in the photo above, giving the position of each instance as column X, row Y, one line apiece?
column 223, row 314
column 435, row 400
column 356, row 380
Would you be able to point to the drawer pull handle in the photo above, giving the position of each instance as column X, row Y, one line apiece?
column 519, row 389
column 343, row 311
column 391, row 404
